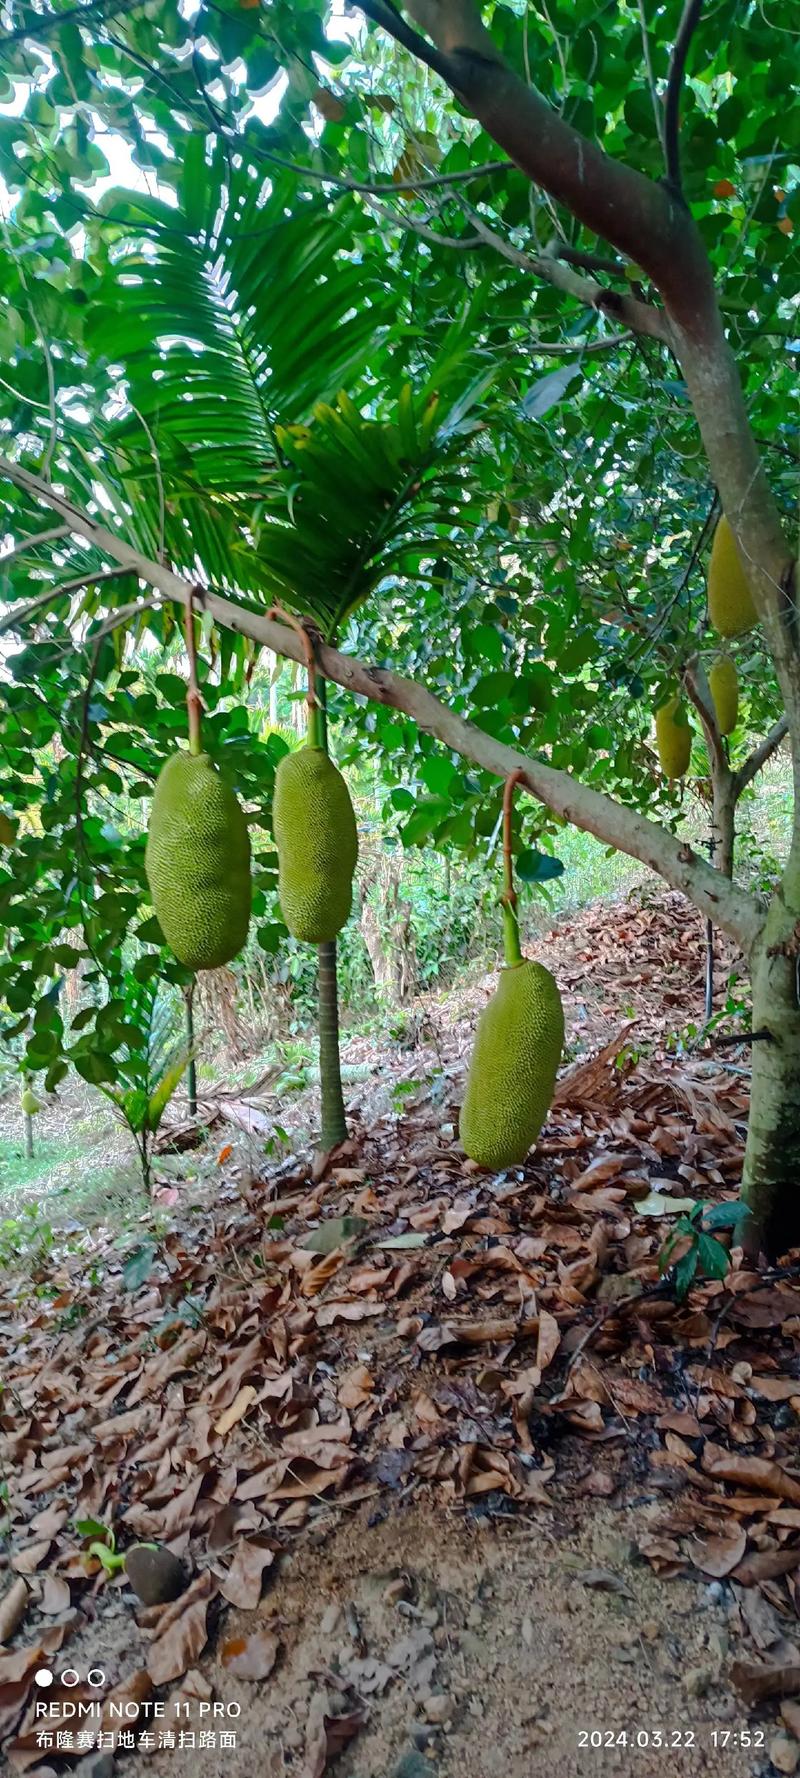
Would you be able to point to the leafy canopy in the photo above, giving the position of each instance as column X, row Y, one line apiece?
column 355, row 402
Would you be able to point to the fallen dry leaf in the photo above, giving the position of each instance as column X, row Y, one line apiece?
column 13, row 1606
column 756, row 1472
column 245, row 1577
column 327, row 1735
column 719, row 1555
column 765, row 1565
column 186, row 1634
column 251, row 1657
column 757, row 1681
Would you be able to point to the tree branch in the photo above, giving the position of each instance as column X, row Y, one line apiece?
column 651, row 79
column 650, row 224
column 383, row 13
column 21, row 613
column 640, row 218
column 731, row 907
column 50, row 21
column 672, row 152
column 698, row 691
column 639, row 316
column 589, row 262
column 760, row 754
column 27, row 543
column 412, row 226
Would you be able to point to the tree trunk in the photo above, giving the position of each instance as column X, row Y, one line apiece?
column 28, row 1121
column 334, row 1127
column 771, row 1179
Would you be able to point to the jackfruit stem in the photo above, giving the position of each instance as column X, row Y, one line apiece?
column 303, row 629
column 511, row 944
column 512, row 950
column 316, row 735
column 194, row 702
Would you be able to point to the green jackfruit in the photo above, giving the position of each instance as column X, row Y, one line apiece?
column 315, row 833
column 723, row 683
column 730, row 602
column 29, row 1103
column 673, row 738
column 512, row 1074
column 198, row 862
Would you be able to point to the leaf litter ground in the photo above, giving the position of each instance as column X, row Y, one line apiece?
column 453, row 1477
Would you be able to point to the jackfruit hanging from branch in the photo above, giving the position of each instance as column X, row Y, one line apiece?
column 731, row 611
column 315, row 833
column 673, row 738
column 314, row 826
column 517, row 1049
column 723, row 684
column 197, row 861
column 197, row 857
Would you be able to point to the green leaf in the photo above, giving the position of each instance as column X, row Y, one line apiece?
column 160, row 1098
column 685, row 1271
column 725, row 1216
column 712, row 1258
column 537, row 867
column 139, row 1265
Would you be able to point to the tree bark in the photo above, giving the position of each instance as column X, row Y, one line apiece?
column 771, row 1177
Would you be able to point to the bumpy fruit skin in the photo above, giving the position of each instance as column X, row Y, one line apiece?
column 673, row 740
column 730, row 602
column 512, row 1075
column 29, row 1103
column 723, row 683
column 315, row 833
column 198, row 862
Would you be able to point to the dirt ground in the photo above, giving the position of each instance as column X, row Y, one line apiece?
column 468, row 1648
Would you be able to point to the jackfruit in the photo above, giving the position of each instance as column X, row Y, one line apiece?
column 315, row 833
column 730, row 602
column 198, row 862
column 512, row 1073
column 8, row 829
column 29, row 1103
column 673, row 738
column 723, row 683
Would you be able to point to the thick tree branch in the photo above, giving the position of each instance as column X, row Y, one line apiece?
column 730, row 907
column 760, row 755
column 650, row 225
column 641, row 219
column 672, row 104
column 382, row 12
